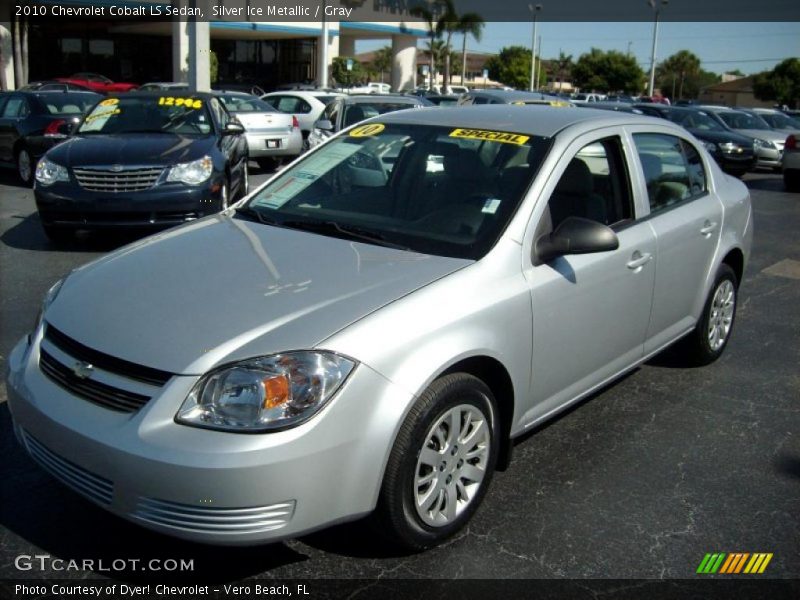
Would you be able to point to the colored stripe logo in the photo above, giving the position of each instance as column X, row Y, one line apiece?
column 734, row 563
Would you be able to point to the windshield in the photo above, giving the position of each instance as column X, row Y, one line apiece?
column 245, row 104
column 184, row 115
column 436, row 190
column 781, row 121
column 738, row 120
column 695, row 120
column 353, row 113
column 68, row 104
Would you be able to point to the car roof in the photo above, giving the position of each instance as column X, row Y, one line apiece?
column 539, row 120
column 385, row 98
column 511, row 95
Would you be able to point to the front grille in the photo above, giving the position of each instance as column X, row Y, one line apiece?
column 103, row 179
column 96, row 488
column 206, row 519
column 103, row 361
column 104, row 395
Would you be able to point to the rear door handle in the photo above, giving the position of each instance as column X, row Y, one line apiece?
column 639, row 260
column 708, row 228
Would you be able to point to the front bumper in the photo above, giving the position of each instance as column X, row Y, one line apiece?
column 264, row 144
column 202, row 485
column 68, row 205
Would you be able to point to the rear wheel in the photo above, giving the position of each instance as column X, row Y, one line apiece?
column 267, row 163
column 441, row 464
column 709, row 338
column 26, row 166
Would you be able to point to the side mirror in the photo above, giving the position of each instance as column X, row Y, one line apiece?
column 575, row 235
column 323, row 125
column 233, row 128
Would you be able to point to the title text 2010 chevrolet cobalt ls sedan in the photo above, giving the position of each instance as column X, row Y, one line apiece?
column 372, row 327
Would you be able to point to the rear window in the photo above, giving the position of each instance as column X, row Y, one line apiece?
column 68, row 104
column 243, row 104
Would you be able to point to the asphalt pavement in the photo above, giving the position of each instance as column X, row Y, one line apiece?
column 639, row 481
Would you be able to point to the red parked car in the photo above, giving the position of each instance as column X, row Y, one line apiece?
column 98, row 83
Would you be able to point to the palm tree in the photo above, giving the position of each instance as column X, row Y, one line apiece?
column 451, row 22
column 471, row 24
column 382, row 60
column 434, row 32
column 436, row 54
column 563, row 63
column 679, row 67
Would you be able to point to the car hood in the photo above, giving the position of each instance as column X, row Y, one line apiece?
column 223, row 289
column 764, row 134
column 721, row 137
column 130, row 149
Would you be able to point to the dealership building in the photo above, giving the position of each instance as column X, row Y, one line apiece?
column 150, row 48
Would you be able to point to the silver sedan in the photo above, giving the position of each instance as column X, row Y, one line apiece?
column 368, row 332
column 271, row 134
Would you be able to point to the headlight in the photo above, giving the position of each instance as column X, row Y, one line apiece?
column 730, row 147
column 759, row 143
column 48, row 299
column 48, row 172
column 192, row 173
column 267, row 393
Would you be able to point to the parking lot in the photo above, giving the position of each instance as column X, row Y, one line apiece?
column 641, row 481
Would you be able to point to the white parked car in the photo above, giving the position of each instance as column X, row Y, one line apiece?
column 372, row 329
column 369, row 88
column 307, row 106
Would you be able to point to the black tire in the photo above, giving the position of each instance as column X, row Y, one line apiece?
column 267, row 164
column 25, row 165
column 791, row 180
column 700, row 350
column 244, row 183
column 58, row 235
column 224, row 195
column 397, row 517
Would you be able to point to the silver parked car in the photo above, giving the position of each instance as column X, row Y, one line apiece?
column 767, row 142
column 371, row 328
column 271, row 134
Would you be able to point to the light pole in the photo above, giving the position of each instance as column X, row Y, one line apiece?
column 535, row 10
column 323, row 79
column 656, row 6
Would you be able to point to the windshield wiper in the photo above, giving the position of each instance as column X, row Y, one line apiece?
column 256, row 215
column 350, row 232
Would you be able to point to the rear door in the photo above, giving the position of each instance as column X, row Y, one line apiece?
column 686, row 218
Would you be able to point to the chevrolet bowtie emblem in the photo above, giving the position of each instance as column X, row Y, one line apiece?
column 82, row 370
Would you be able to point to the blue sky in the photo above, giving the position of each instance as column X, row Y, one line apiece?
column 749, row 47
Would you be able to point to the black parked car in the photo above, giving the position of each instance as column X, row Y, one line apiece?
column 33, row 122
column 143, row 160
column 733, row 152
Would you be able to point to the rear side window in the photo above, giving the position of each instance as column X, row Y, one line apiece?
column 673, row 169
column 15, row 107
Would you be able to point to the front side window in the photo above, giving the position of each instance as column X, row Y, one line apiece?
column 595, row 185
column 436, row 190
column 673, row 169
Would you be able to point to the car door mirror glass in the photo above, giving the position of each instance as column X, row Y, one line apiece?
column 576, row 235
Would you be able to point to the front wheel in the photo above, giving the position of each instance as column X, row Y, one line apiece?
column 709, row 338
column 441, row 464
column 26, row 166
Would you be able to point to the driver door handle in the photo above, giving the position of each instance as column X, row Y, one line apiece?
column 639, row 260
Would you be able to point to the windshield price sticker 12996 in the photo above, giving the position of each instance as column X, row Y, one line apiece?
column 187, row 102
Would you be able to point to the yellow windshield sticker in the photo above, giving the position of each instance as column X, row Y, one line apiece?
column 367, row 130
column 109, row 102
column 491, row 136
column 103, row 114
column 187, row 102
